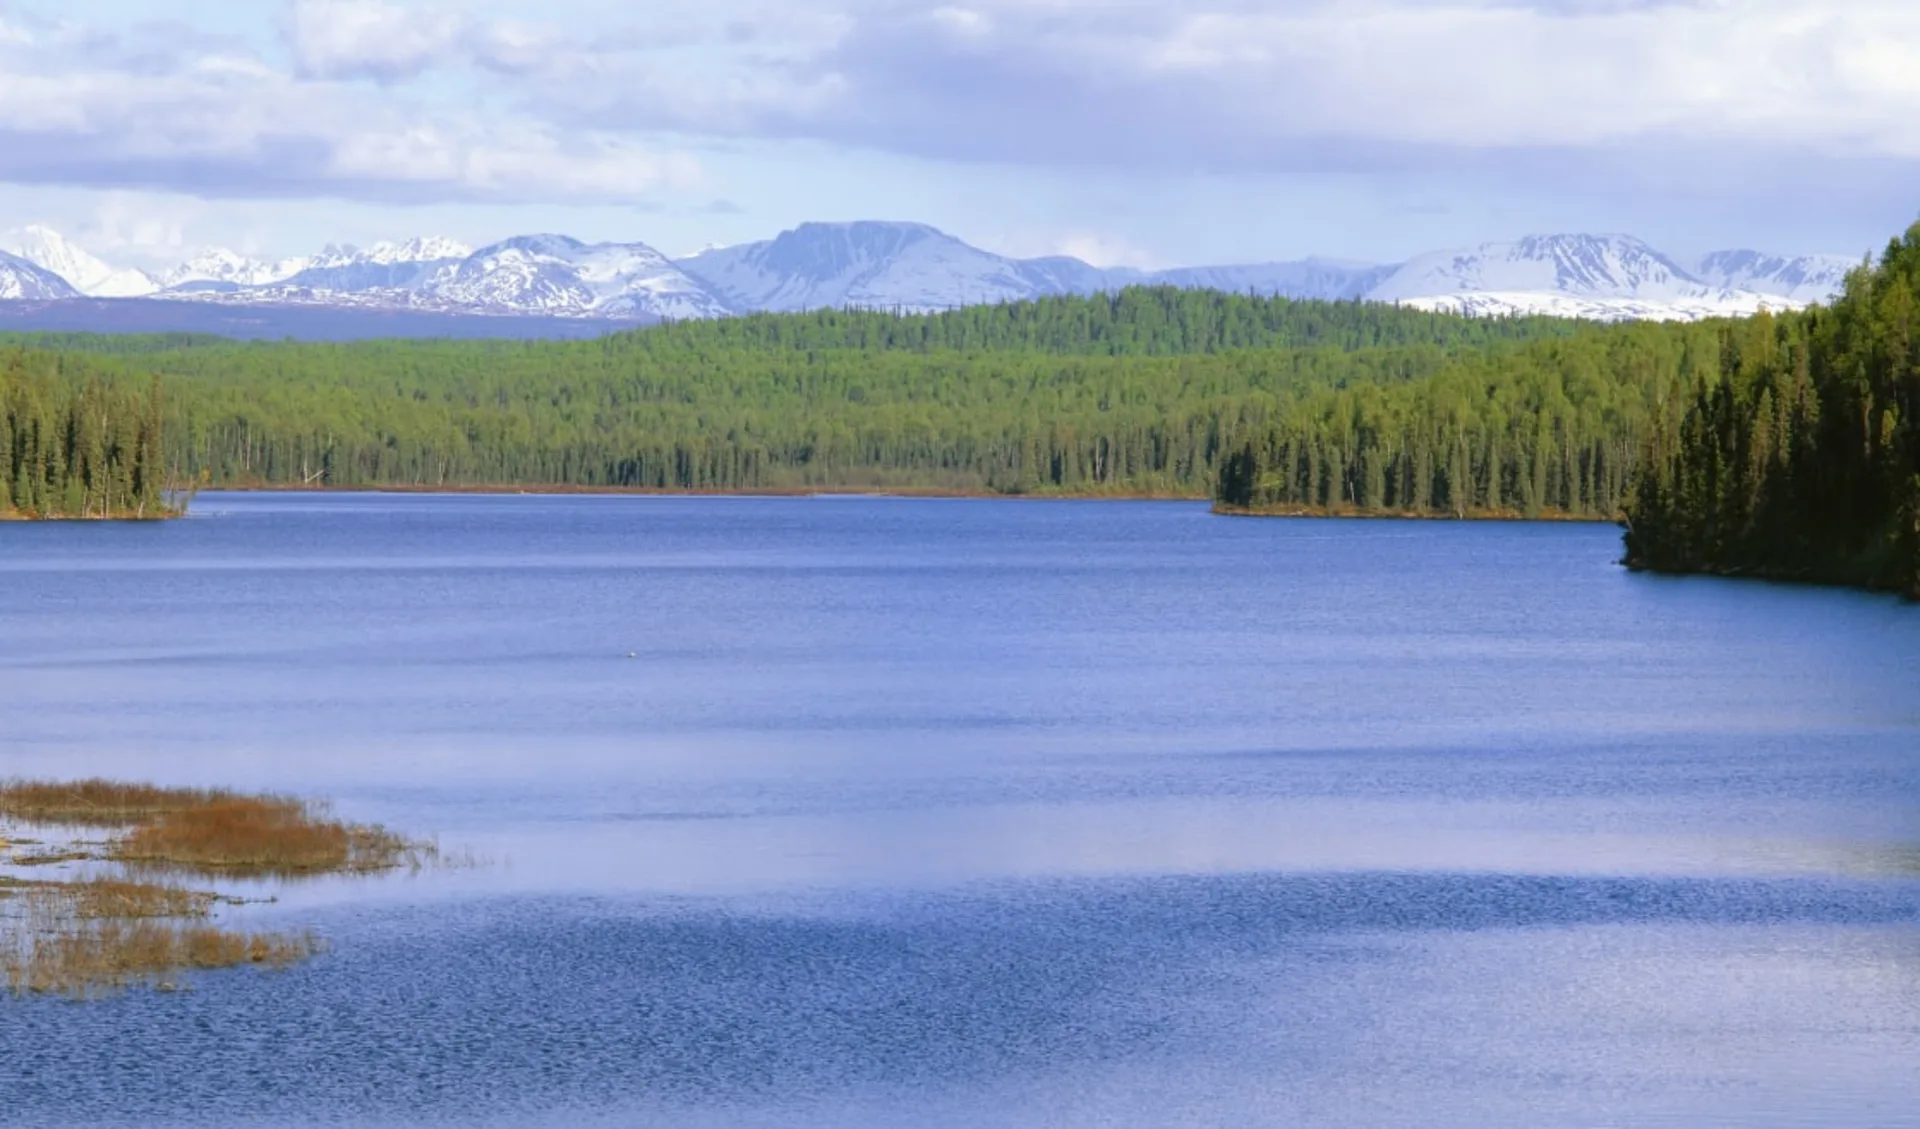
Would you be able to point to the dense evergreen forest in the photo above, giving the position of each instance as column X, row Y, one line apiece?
column 1144, row 392
column 1554, row 428
column 1800, row 457
column 76, row 444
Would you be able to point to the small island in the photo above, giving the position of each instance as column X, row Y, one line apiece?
column 126, row 919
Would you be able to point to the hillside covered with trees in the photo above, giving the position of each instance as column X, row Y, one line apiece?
column 75, row 443
column 1800, row 458
column 1144, row 392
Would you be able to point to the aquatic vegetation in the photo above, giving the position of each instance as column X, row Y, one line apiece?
column 101, row 934
column 98, row 803
column 121, row 925
column 270, row 837
column 209, row 831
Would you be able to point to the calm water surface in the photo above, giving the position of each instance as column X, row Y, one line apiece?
column 824, row 812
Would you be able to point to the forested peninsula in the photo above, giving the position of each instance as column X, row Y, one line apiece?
column 1800, row 459
column 77, row 441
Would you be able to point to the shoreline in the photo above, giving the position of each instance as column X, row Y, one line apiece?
column 548, row 489
column 1765, row 574
column 88, row 519
column 1356, row 513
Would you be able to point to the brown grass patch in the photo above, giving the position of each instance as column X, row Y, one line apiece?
column 208, row 831
column 113, row 955
column 264, row 837
column 110, row 932
column 111, row 899
column 98, row 803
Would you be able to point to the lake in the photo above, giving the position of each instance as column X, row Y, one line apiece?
column 885, row 812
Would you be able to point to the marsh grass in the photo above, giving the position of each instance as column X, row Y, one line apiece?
column 107, row 956
column 98, row 803
column 254, row 837
column 111, row 931
column 113, row 899
column 212, row 832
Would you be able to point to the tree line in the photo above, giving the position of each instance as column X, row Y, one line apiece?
column 1799, row 456
column 1143, row 392
column 1554, row 428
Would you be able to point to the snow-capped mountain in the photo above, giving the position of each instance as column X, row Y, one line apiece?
column 1802, row 279
column 1607, row 278
column 880, row 266
column 49, row 250
column 1580, row 266
column 382, row 266
column 1496, row 304
column 22, row 281
column 916, row 267
column 221, row 270
column 555, row 274
column 913, row 266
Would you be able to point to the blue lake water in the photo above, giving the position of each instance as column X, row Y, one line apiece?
column 851, row 812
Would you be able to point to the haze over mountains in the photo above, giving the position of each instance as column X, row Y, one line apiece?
column 48, row 280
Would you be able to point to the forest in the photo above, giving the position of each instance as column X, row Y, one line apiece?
column 1798, row 458
column 76, row 442
column 1144, row 393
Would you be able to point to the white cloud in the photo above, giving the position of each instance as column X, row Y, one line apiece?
column 81, row 108
column 387, row 41
column 429, row 100
column 1235, row 84
column 370, row 38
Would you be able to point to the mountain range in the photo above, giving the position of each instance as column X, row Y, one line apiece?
column 905, row 266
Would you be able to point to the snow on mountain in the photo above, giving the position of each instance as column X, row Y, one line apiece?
column 21, row 280
column 382, row 266
column 427, row 249
column 913, row 266
column 49, row 250
column 555, row 274
column 1803, row 279
column 1609, row 278
column 221, row 269
column 1581, row 266
column 876, row 265
column 916, row 267
column 1495, row 304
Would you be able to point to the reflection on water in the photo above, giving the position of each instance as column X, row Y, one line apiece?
column 813, row 812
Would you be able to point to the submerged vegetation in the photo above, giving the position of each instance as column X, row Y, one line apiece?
column 98, row 935
column 76, row 442
column 1801, row 458
column 124, row 923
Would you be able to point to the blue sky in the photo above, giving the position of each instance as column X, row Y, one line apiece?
column 1150, row 133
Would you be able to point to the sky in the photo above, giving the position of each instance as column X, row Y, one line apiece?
column 1129, row 132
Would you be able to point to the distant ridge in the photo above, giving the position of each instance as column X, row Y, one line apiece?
column 867, row 264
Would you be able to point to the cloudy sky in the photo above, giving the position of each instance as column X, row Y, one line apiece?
column 1149, row 132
